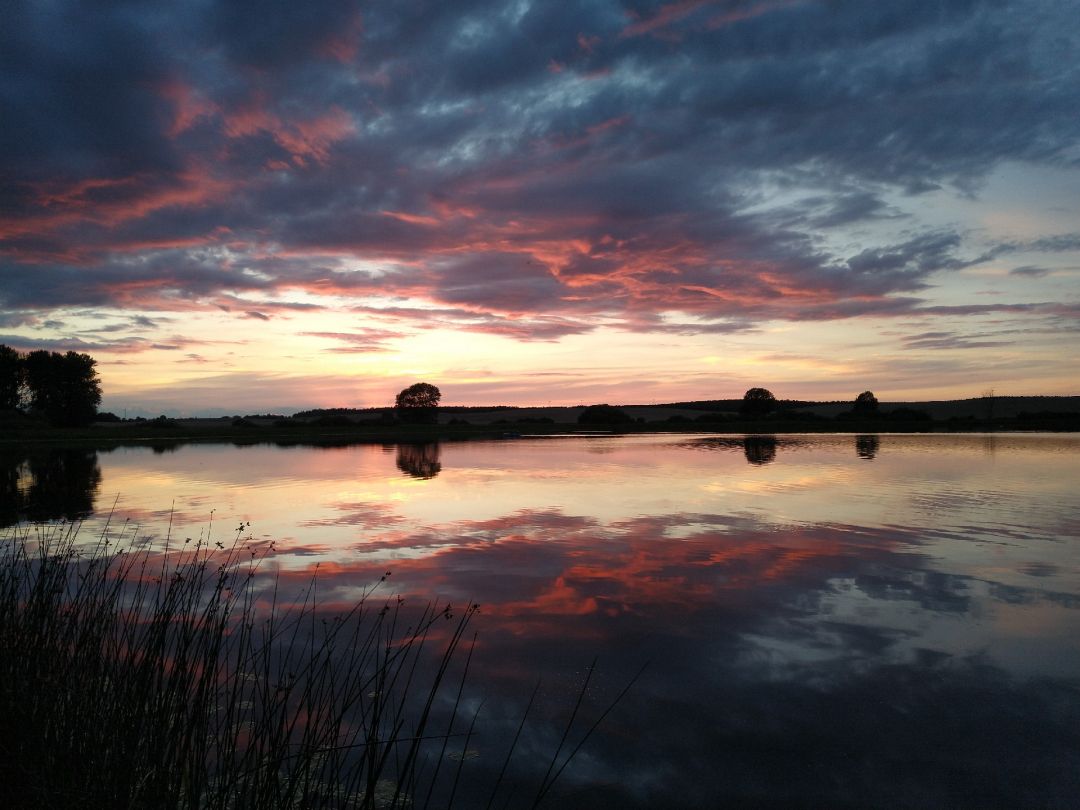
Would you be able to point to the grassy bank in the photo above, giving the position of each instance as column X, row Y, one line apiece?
column 180, row 679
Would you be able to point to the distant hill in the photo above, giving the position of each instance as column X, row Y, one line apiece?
column 978, row 408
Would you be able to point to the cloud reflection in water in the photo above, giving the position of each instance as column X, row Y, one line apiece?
column 822, row 631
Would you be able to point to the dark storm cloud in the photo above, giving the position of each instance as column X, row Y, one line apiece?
column 537, row 165
column 278, row 33
column 77, row 89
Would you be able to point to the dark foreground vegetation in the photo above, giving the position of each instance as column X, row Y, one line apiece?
column 171, row 679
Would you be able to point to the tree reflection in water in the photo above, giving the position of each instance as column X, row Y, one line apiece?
column 46, row 485
column 867, row 446
column 759, row 449
column 419, row 460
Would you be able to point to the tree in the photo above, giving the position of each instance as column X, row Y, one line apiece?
column 418, row 403
column 64, row 388
column 757, row 402
column 12, row 375
column 866, row 404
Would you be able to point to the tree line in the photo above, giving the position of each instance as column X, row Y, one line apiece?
column 756, row 403
column 63, row 389
column 761, row 401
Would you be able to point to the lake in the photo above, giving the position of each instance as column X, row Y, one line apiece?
column 826, row 620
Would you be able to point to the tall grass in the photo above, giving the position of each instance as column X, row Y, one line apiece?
column 179, row 679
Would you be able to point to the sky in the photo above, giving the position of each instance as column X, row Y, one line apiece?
column 249, row 207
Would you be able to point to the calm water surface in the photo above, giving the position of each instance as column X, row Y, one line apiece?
column 834, row 621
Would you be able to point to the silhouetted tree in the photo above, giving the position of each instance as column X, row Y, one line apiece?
column 419, row 460
column 757, row 402
column 759, row 449
column 604, row 415
column 866, row 404
column 418, row 403
column 12, row 376
column 64, row 388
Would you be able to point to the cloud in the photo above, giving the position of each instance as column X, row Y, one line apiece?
column 947, row 340
column 360, row 341
column 122, row 345
column 427, row 158
column 1029, row 271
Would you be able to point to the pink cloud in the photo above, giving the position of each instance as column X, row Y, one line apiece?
column 665, row 16
column 730, row 17
column 312, row 139
column 673, row 12
column 188, row 106
column 305, row 138
column 412, row 219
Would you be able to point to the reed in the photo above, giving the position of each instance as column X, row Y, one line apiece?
column 178, row 678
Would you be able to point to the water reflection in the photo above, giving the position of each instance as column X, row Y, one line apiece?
column 867, row 446
column 759, row 449
column 419, row 460
column 760, row 640
column 913, row 641
column 45, row 485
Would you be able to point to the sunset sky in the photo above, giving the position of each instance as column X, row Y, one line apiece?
column 242, row 207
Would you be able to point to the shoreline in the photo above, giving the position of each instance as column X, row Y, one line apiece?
column 176, row 434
